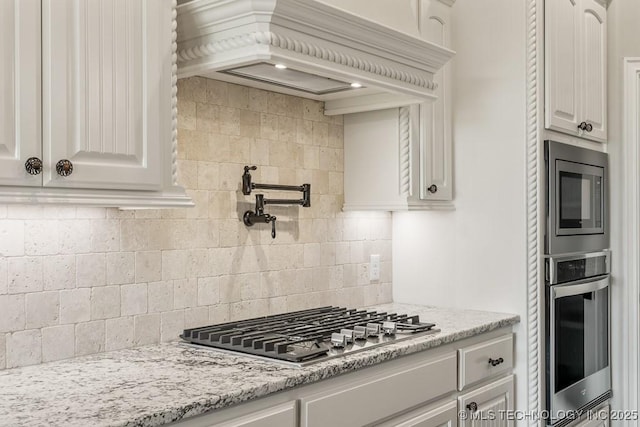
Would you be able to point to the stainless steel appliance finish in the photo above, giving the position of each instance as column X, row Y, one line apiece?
column 578, row 373
column 309, row 336
column 576, row 199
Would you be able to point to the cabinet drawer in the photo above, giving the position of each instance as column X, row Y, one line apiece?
column 372, row 400
column 475, row 362
column 281, row 415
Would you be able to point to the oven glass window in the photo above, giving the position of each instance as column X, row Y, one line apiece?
column 580, row 200
column 581, row 336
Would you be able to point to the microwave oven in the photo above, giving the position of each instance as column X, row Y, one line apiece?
column 576, row 199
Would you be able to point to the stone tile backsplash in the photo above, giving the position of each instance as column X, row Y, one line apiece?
column 76, row 281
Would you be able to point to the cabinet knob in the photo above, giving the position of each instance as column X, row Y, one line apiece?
column 33, row 165
column 495, row 362
column 432, row 189
column 64, row 167
column 473, row 406
column 584, row 126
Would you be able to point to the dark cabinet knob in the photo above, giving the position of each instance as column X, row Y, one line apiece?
column 473, row 406
column 495, row 362
column 64, row 167
column 33, row 165
column 584, row 126
column 432, row 189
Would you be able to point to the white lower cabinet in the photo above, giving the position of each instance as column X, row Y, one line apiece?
column 596, row 418
column 418, row 390
column 488, row 406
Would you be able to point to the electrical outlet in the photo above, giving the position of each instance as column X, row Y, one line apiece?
column 374, row 267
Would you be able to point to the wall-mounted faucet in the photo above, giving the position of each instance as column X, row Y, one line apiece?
column 250, row 217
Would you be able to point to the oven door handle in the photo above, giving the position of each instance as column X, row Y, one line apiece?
column 559, row 291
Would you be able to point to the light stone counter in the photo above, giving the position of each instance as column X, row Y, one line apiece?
column 154, row 385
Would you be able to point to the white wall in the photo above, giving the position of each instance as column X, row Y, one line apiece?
column 475, row 256
column 624, row 36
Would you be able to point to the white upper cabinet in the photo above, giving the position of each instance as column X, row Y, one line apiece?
column 91, row 88
column 435, row 140
column 20, row 130
column 575, row 68
column 103, row 93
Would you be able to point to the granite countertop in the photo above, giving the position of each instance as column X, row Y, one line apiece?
column 157, row 384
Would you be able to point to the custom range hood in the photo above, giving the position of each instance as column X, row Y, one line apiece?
column 306, row 48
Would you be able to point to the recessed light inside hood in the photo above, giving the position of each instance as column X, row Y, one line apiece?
column 288, row 77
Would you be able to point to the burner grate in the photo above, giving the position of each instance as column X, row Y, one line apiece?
column 306, row 335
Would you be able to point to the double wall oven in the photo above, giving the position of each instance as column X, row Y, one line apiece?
column 577, row 268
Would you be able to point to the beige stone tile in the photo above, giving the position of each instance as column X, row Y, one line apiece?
column 171, row 325
column 230, row 177
column 146, row 329
column 185, row 293
column 287, row 129
column 3, row 276
column 207, row 234
column 133, row 299
column 58, row 342
column 160, row 296
column 193, row 144
column 350, row 275
column 196, row 317
column 193, row 89
column 312, row 255
column 320, row 182
column 198, row 263
column 37, row 237
column 217, row 92
column 25, row 212
column 328, row 254
column 24, row 275
column 230, row 289
column 249, row 286
column 75, row 305
column 75, row 236
column 208, row 118
column 84, row 212
column 13, row 313
column 336, row 183
column 229, row 121
column 238, row 96
column 91, row 270
column 320, row 134
column 277, row 305
column 311, row 157
column 187, row 174
column 105, row 302
column 336, row 277
column 90, row 337
column 258, row 100
column 24, row 348
column 219, row 313
column 248, row 309
column 250, row 123
column 268, row 126
column 260, row 152
column 174, row 264
column 304, row 131
column 201, row 200
column 148, row 266
column 59, row 272
column 336, row 136
column 120, row 268
column 186, row 114
column 59, row 212
column 277, row 103
column 313, row 110
column 208, row 291
column 240, row 150
column 294, row 106
column 343, row 253
column 148, row 214
column 320, row 279
column 119, row 333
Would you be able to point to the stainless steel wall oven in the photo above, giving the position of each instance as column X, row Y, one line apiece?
column 578, row 373
column 576, row 199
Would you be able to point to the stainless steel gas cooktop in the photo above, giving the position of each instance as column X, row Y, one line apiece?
column 310, row 336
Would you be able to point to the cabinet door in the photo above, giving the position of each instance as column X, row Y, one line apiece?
column 435, row 117
column 562, row 66
column 20, row 131
column 593, row 29
column 106, row 91
column 443, row 415
column 488, row 406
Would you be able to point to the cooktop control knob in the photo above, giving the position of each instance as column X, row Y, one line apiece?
column 373, row 329
column 348, row 333
column 360, row 333
column 389, row 328
column 338, row 340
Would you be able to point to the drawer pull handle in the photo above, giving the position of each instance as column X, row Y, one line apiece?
column 495, row 362
column 473, row 406
column 33, row 165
